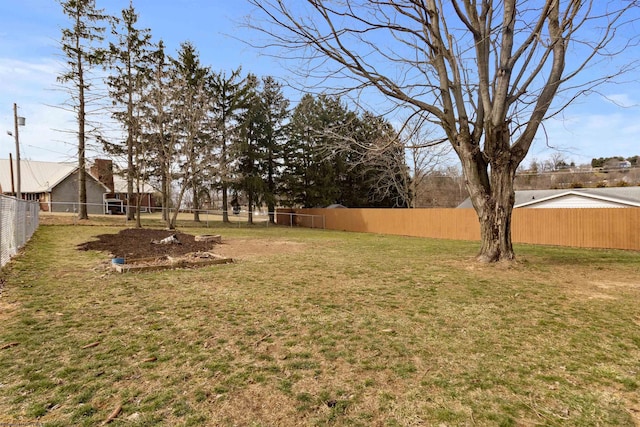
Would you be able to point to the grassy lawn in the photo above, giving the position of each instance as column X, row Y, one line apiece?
column 343, row 329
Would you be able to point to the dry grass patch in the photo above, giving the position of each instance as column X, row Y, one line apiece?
column 321, row 328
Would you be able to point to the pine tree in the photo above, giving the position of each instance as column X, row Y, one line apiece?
column 228, row 94
column 190, row 104
column 379, row 159
column 276, row 113
column 130, row 61
column 155, row 124
column 248, row 149
column 312, row 168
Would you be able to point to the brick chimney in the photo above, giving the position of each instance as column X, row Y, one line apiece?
column 102, row 170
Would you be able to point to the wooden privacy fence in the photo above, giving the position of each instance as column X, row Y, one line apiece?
column 613, row 228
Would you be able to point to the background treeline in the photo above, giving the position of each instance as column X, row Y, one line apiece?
column 216, row 139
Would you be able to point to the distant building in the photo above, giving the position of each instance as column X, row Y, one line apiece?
column 55, row 186
column 625, row 164
column 116, row 199
column 606, row 197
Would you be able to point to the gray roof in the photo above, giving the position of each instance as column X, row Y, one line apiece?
column 624, row 195
column 36, row 177
column 41, row 177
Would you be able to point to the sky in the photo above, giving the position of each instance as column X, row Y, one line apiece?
column 601, row 125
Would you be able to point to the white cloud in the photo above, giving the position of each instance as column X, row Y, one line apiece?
column 32, row 86
column 621, row 100
column 585, row 136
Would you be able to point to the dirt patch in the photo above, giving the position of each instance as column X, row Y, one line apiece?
column 133, row 243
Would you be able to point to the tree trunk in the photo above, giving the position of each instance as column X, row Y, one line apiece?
column 138, row 220
column 82, row 171
column 130, row 196
column 495, row 226
column 271, row 186
column 165, row 197
column 271, row 207
column 250, row 213
column 492, row 198
column 196, row 200
column 225, row 212
column 130, row 205
column 490, row 187
column 82, row 185
column 138, row 200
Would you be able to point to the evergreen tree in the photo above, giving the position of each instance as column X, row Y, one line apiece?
column 130, row 62
column 191, row 105
column 248, row 149
column 309, row 178
column 228, row 95
column 335, row 156
column 382, row 165
column 276, row 113
column 158, row 139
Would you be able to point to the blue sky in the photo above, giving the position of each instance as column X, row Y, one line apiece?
column 30, row 62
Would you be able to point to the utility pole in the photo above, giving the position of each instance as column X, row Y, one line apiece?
column 17, row 121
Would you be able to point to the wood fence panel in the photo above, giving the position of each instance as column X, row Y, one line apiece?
column 615, row 228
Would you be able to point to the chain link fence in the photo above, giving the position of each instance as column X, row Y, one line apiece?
column 207, row 217
column 19, row 219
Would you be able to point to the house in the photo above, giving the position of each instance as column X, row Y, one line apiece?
column 55, row 186
column 116, row 199
column 606, row 197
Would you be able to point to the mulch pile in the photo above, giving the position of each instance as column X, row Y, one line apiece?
column 134, row 243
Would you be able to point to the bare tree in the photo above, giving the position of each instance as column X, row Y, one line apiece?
column 78, row 45
column 391, row 179
column 426, row 155
column 486, row 72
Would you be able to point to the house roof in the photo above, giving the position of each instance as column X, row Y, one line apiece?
column 35, row 177
column 614, row 196
column 41, row 177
